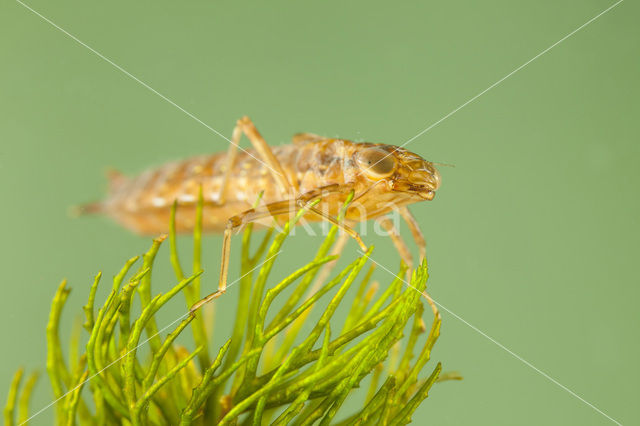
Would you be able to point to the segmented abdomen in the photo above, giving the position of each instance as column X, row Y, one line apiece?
column 143, row 203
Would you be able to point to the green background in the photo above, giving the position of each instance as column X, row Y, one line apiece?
column 533, row 237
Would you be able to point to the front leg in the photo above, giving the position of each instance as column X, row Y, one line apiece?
column 397, row 240
column 418, row 236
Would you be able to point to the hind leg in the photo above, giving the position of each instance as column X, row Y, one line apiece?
column 266, row 157
column 288, row 189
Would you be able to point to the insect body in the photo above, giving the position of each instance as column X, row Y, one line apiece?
column 382, row 178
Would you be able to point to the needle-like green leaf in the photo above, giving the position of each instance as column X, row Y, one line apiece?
column 276, row 367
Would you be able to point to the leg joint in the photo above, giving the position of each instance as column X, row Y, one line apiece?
column 234, row 222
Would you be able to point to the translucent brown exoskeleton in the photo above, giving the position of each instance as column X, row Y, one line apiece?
column 381, row 177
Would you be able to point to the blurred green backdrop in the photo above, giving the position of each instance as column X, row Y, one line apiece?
column 533, row 237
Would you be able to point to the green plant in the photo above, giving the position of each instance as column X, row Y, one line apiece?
column 306, row 381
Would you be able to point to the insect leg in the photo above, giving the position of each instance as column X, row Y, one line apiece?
column 397, row 240
column 232, row 154
column 235, row 222
column 418, row 236
column 402, row 247
column 350, row 231
column 258, row 142
column 272, row 209
column 310, row 196
column 246, row 126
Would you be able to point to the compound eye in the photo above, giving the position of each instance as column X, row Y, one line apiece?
column 376, row 163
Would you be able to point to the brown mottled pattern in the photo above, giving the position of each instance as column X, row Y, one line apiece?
column 143, row 203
